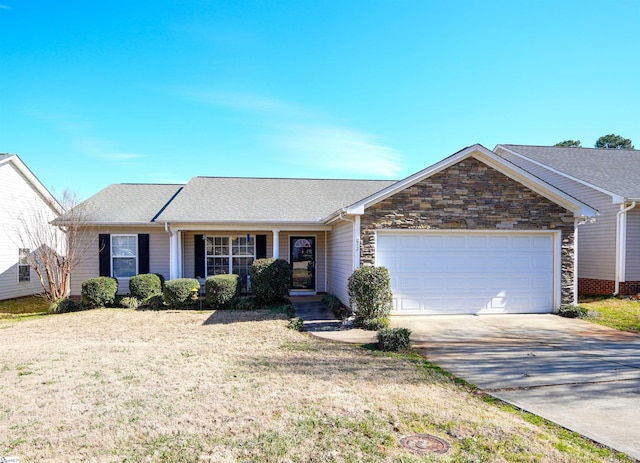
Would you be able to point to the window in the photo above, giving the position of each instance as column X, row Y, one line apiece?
column 24, row 269
column 230, row 254
column 124, row 255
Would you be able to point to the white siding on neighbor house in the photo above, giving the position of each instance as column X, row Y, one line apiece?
column 340, row 248
column 89, row 265
column 633, row 245
column 597, row 240
column 17, row 199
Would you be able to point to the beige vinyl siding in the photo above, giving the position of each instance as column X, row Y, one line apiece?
column 597, row 240
column 89, row 266
column 633, row 245
column 340, row 244
column 17, row 199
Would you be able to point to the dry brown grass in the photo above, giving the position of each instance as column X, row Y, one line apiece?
column 181, row 386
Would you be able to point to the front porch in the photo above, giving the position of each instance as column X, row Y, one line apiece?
column 206, row 252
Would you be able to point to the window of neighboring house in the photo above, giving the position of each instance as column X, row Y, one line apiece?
column 24, row 269
column 124, row 256
column 230, row 254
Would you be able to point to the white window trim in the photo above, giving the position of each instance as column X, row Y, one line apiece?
column 111, row 257
column 229, row 254
column 28, row 280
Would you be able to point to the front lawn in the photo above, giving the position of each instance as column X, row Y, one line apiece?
column 23, row 307
column 188, row 386
column 621, row 314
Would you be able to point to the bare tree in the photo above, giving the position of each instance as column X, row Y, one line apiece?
column 57, row 246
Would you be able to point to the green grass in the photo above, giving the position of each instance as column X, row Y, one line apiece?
column 23, row 307
column 621, row 314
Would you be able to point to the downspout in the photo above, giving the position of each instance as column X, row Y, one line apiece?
column 621, row 243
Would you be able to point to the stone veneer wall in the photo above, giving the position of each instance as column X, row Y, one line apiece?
column 471, row 196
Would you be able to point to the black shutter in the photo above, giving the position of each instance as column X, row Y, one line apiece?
column 104, row 246
column 198, row 271
column 143, row 253
column 261, row 246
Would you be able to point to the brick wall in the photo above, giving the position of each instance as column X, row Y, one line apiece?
column 471, row 196
column 593, row 286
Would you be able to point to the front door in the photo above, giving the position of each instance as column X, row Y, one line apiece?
column 303, row 261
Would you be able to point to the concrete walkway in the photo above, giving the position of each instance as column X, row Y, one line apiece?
column 582, row 376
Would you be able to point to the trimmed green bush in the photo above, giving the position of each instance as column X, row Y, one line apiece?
column 296, row 323
column 145, row 286
column 177, row 293
column 64, row 306
column 130, row 302
column 370, row 295
column 270, row 280
column 573, row 311
column 371, row 324
column 334, row 305
column 248, row 303
column 394, row 339
column 222, row 291
column 99, row 292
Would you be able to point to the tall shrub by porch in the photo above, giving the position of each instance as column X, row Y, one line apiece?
column 270, row 280
column 370, row 295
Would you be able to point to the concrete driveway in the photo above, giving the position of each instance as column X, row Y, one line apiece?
column 579, row 375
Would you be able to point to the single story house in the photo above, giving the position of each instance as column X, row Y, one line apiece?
column 24, row 203
column 608, row 180
column 473, row 233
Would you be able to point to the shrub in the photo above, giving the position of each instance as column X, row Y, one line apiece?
column 372, row 324
column 270, row 280
column 573, row 311
column 248, row 303
column 223, row 291
column 130, row 302
column 64, row 306
column 177, row 293
column 370, row 295
column 99, row 292
column 296, row 324
column 334, row 305
column 145, row 286
column 394, row 339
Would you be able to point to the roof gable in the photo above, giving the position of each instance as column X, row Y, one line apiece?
column 611, row 171
column 489, row 158
column 35, row 183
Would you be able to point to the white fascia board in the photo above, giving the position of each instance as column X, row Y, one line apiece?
column 536, row 184
column 48, row 198
column 615, row 198
column 490, row 158
column 359, row 207
column 247, row 226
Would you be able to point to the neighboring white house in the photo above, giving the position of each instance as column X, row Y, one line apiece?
column 23, row 199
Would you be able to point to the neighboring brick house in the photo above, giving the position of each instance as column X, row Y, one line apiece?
column 607, row 179
column 473, row 233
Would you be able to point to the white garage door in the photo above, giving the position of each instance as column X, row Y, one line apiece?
column 468, row 273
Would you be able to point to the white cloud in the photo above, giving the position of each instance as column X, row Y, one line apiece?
column 333, row 148
column 310, row 138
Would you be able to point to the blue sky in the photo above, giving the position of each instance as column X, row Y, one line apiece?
column 94, row 93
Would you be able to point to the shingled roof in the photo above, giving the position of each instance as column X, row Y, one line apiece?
column 223, row 199
column 612, row 170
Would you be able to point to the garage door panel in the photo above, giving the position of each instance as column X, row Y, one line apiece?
column 435, row 273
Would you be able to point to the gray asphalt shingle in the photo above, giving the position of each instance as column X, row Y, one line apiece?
column 616, row 171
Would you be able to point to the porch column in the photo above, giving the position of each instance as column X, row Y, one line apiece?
column 174, row 255
column 276, row 243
